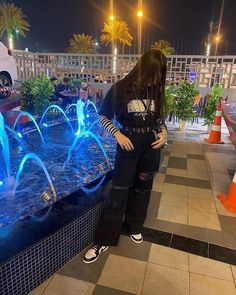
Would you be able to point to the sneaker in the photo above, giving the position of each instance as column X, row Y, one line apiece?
column 93, row 253
column 138, row 238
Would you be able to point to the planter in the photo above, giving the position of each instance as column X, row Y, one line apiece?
column 182, row 125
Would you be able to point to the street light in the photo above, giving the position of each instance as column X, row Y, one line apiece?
column 140, row 13
column 111, row 17
column 217, row 40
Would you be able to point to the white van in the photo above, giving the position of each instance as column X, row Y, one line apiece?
column 8, row 71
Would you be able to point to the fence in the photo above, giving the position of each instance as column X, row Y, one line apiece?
column 205, row 71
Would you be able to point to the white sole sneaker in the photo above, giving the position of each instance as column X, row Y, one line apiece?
column 94, row 254
column 138, row 239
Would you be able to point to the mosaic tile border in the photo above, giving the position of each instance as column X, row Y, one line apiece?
column 31, row 267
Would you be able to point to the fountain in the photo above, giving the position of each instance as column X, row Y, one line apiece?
column 56, row 193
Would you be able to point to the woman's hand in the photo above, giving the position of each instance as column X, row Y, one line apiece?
column 161, row 139
column 124, row 141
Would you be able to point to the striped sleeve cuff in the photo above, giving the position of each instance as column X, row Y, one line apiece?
column 107, row 124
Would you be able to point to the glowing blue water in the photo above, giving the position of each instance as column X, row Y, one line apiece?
column 90, row 103
column 40, row 163
column 84, row 134
column 34, row 121
column 5, row 147
column 80, row 116
column 54, row 106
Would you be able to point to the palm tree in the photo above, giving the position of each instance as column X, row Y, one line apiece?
column 81, row 43
column 116, row 32
column 164, row 46
column 12, row 20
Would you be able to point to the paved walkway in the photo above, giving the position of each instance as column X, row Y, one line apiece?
column 190, row 239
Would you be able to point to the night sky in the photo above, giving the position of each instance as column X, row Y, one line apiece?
column 182, row 22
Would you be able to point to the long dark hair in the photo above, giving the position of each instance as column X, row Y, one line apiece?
column 149, row 74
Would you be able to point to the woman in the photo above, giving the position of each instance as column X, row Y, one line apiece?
column 138, row 103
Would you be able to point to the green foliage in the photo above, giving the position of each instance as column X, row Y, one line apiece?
column 35, row 94
column 170, row 94
column 42, row 89
column 185, row 99
column 116, row 31
column 212, row 102
column 26, row 97
column 164, row 46
column 81, row 43
column 74, row 84
column 12, row 19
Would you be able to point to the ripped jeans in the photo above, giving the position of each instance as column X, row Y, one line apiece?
column 131, row 188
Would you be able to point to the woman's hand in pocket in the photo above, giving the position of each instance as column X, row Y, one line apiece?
column 160, row 139
column 124, row 141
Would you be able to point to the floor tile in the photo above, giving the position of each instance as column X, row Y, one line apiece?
column 178, row 154
column 203, row 219
column 203, row 285
column 169, row 257
column 195, row 157
column 61, row 285
column 157, row 186
column 209, row 267
column 176, row 180
column 230, row 240
column 123, row 274
column 174, row 188
column 193, row 164
column 233, row 268
column 178, row 163
column 176, row 172
column 228, row 223
column 202, row 205
column 159, row 177
column 77, row 269
column 200, row 183
column 41, row 288
column 200, row 193
column 164, row 280
column 156, row 236
column 189, row 245
column 221, row 209
column 222, row 254
column 198, row 174
column 170, row 199
column 101, row 290
column 154, row 203
column 172, row 214
column 127, row 248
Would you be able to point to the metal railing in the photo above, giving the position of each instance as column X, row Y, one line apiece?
column 205, row 71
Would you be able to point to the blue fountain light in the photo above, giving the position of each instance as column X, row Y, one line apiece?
column 39, row 163
column 1, row 183
column 80, row 116
column 89, row 102
column 33, row 119
column 19, row 134
column 5, row 146
column 54, row 106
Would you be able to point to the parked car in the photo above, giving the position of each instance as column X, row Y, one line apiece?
column 8, row 71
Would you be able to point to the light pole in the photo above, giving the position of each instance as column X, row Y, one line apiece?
column 140, row 16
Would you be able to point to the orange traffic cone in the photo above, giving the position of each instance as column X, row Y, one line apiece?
column 215, row 134
column 229, row 201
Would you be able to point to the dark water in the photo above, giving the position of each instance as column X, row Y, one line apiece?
column 87, row 163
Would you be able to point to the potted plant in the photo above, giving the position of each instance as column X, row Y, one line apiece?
column 211, row 105
column 42, row 90
column 184, row 103
column 170, row 94
column 26, row 97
